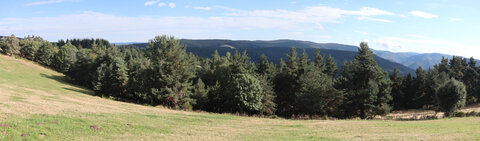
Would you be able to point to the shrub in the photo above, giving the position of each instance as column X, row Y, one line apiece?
column 460, row 114
column 471, row 114
column 451, row 95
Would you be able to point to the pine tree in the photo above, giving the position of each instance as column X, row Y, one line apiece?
column 420, row 97
column 316, row 94
column 398, row 94
column 367, row 91
column 286, row 85
column 331, row 67
column 200, row 94
column 458, row 65
column 470, row 79
column 268, row 99
column 319, row 59
column 171, row 72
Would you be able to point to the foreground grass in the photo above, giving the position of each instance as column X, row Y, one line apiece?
column 38, row 104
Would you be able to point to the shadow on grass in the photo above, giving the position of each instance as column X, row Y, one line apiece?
column 64, row 80
column 81, row 91
column 60, row 79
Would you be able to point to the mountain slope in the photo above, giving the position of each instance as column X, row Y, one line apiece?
column 414, row 60
column 277, row 49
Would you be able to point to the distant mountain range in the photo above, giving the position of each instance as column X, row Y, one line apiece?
column 278, row 49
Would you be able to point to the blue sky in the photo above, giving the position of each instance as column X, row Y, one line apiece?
column 425, row 26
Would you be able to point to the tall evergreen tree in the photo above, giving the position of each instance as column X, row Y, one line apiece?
column 316, row 94
column 397, row 93
column 331, row 67
column 471, row 81
column 171, row 72
column 286, row 85
column 319, row 59
column 419, row 98
column 366, row 87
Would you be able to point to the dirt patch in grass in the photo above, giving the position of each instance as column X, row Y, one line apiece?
column 5, row 125
column 24, row 135
column 95, row 127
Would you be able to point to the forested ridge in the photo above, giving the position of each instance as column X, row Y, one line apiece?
column 163, row 73
column 276, row 50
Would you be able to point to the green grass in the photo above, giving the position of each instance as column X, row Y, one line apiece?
column 38, row 104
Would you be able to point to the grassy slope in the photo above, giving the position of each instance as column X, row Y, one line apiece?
column 37, row 103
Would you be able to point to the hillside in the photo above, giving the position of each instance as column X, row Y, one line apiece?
column 414, row 60
column 278, row 49
column 38, row 104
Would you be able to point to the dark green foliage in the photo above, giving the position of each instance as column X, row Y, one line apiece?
column 319, row 60
column 66, row 57
column 397, row 93
column 366, row 87
column 331, row 67
column 286, row 86
column 451, row 95
column 316, row 95
column 170, row 73
column 471, row 80
column 457, row 67
column 200, row 94
column 30, row 46
column 243, row 93
column 268, row 100
column 419, row 97
column 81, row 71
column 112, row 77
column 46, row 53
column 10, row 45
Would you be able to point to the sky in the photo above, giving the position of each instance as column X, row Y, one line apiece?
column 424, row 26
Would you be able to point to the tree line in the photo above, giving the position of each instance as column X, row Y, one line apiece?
column 163, row 73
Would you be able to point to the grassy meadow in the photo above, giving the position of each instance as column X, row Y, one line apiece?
column 38, row 104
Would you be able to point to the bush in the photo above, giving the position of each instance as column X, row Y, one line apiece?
column 460, row 114
column 451, row 95
column 471, row 114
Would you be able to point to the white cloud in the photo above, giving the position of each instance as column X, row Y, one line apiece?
column 48, row 2
column 121, row 28
column 374, row 19
column 202, row 8
column 403, row 16
column 148, row 3
column 423, row 14
column 423, row 44
column 316, row 14
column 161, row 4
column 171, row 5
column 293, row 2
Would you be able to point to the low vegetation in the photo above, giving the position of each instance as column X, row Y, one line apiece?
column 39, row 104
